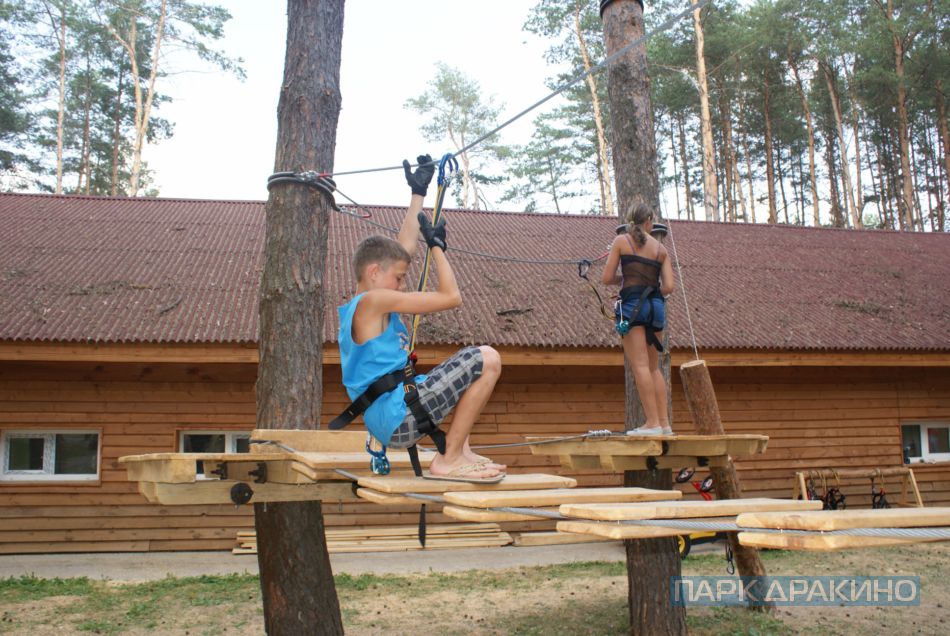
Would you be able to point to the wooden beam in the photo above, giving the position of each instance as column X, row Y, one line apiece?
column 844, row 519
column 555, row 497
column 554, row 538
column 620, row 531
column 213, row 491
column 479, row 515
column 393, row 484
column 682, row 509
column 817, row 542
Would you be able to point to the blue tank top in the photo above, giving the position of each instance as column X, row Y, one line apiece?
column 363, row 364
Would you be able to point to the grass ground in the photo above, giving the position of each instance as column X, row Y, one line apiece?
column 584, row 598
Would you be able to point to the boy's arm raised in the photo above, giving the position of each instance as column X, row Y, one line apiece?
column 419, row 182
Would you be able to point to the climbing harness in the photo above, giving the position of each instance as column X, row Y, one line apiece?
column 879, row 496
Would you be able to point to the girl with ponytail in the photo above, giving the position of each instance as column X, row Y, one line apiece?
column 645, row 277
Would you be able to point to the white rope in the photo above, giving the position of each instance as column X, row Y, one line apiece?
column 689, row 318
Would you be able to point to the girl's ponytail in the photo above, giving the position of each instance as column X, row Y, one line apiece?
column 635, row 220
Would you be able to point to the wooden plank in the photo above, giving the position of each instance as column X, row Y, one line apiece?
column 711, row 445
column 845, row 519
column 385, row 499
column 554, row 497
column 619, row 531
column 320, row 441
column 681, row 509
column 614, row 445
column 213, row 491
column 479, row 515
column 357, row 459
column 620, row 463
column 818, row 542
column 580, row 462
column 395, row 484
column 169, row 471
column 554, row 538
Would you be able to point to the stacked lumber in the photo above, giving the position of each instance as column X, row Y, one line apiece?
column 398, row 538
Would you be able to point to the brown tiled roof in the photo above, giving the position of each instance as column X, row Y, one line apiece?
column 86, row 269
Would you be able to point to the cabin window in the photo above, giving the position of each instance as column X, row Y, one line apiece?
column 213, row 442
column 49, row 455
column 926, row 441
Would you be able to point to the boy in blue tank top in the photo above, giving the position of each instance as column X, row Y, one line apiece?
column 374, row 342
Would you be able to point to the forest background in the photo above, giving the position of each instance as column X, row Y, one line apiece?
column 815, row 113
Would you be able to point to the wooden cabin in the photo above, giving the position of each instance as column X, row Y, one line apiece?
column 128, row 326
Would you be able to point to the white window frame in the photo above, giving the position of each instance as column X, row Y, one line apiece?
column 925, row 454
column 49, row 456
column 230, row 441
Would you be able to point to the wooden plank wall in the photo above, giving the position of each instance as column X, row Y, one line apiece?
column 827, row 417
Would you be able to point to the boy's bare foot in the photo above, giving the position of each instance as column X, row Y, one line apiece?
column 475, row 458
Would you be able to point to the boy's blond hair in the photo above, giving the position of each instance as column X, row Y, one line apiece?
column 377, row 249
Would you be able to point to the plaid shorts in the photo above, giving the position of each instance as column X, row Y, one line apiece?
column 440, row 392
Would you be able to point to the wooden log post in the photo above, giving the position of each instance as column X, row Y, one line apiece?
column 650, row 562
column 299, row 595
column 704, row 409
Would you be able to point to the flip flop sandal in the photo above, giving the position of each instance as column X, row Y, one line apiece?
column 459, row 475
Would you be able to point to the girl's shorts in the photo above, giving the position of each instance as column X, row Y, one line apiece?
column 652, row 311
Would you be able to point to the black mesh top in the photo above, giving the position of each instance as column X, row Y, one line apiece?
column 639, row 271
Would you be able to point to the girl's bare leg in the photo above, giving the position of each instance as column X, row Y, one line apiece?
column 659, row 383
column 636, row 350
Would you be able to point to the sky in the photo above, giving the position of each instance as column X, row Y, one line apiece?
column 226, row 129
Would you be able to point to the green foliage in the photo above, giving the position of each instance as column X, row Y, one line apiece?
column 457, row 113
column 98, row 113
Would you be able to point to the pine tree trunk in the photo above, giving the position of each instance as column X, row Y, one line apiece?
column 116, row 135
column 832, row 83
column 769, row 167
column 837, row 218
column 710, row 188
column 61, row 105
column 855, row 130
column 780, row 177
column 877, row 191
column 748, row 159
column 907, row 188
column 651, row 562
column 944, row 138
column 676, row 177
column 813, row 179
column 603, row 159
column 690, row 213
column 296, row 579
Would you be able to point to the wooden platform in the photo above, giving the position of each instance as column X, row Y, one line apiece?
column 631, row 452
column 682, row 509
column 397, row 484
column 555, row 497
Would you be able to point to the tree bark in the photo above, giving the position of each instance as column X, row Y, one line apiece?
column 296, row 579
column 60, row 31
column 944, row 134
column 812, row 178
column 704, row 410
column 855, row 130
column 837, row 218
column 116, row 134
column 831, row 81
column 710, row 188
column 769, row 167
column 651, row 562
column 690, row 213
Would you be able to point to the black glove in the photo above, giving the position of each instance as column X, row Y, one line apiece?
column 434, row 236
column 420, row 179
